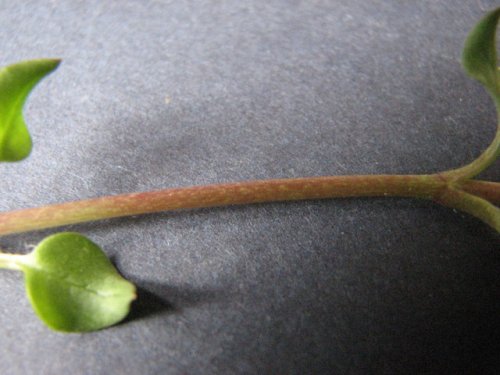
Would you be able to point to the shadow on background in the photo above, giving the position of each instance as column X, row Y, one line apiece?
column 156, row 298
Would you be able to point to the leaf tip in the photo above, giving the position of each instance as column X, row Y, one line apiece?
column 16, row 82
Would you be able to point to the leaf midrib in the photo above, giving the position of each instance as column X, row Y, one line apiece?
column 63, row 279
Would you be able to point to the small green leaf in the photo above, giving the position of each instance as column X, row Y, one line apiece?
column 16, row 82
column 479, row 56
column 73, row 286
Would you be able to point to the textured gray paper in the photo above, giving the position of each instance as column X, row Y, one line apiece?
column 155, row 94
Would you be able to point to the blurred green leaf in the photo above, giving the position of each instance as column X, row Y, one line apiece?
column 16, row 82
column 73, row 286
column 479, row 56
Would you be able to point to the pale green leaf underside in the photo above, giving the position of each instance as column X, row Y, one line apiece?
column 73, row 286
column 16, row 82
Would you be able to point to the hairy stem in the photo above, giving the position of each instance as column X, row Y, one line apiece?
column 218, row 195
column 420, row 186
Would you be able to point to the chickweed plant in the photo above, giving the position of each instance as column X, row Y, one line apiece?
column 72, row 285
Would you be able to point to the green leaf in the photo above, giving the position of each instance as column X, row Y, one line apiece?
column 479, row 56
column 16, row 82
column 73, row 286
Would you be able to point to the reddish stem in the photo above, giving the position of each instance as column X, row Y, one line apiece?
column 421, row 186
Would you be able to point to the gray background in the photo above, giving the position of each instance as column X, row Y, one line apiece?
column 258, row 89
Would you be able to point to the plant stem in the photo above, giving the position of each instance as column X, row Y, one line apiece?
column 419, row 186
column 482, row 162
column 485, row 189
column 472, row 204
column 11, row 261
